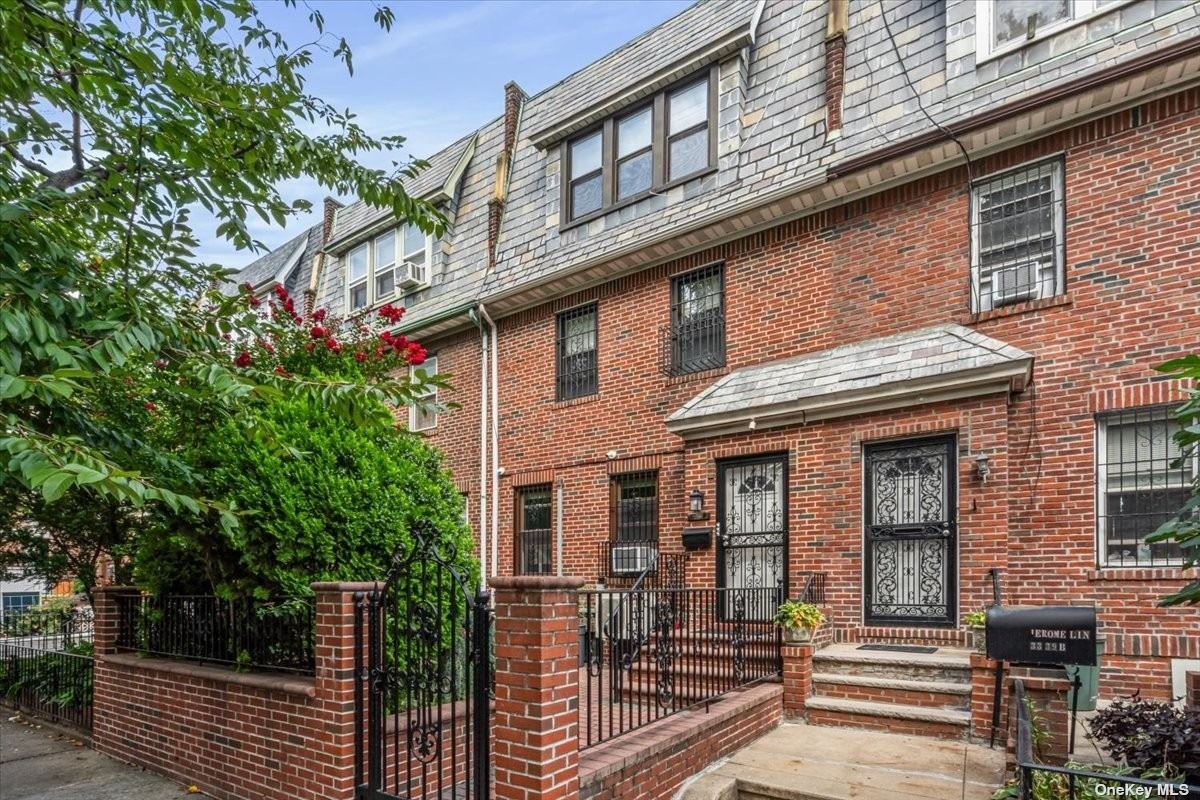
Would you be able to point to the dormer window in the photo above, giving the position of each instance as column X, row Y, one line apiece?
column 395, row 259
column 665, row 141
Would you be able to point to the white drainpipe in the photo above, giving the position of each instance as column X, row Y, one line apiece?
column 496, row 469
column 484, row 347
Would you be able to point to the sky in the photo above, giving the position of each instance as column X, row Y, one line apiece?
column 439, row 73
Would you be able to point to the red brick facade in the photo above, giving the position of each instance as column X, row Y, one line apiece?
column 895, row 262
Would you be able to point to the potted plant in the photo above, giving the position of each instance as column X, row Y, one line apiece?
column 976, row 622
column 798, row 621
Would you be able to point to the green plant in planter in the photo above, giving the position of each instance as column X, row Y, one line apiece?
column 975, row 619
column 800, row 619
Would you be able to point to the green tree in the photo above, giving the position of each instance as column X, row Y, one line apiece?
column 116, row 118
column 1184, row 528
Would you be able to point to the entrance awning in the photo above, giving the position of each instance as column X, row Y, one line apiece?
column 944, row 362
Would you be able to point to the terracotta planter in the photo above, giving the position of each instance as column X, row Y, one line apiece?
column 797, row 635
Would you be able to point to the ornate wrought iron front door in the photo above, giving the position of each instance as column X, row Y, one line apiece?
column 752, row 530
column 910, row 532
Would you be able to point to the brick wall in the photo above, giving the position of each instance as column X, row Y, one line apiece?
column 238, row 736
column 654, row 763
column 1192, row 684
column 894, row 262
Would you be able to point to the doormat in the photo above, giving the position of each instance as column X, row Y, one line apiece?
column 899, row 648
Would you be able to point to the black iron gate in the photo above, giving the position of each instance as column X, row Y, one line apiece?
column 752, row 519
column 423, row 662
column 911, row 572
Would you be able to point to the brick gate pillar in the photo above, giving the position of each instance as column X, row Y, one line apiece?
column 107, row 616
column 1046, row 689
column 535, row 735
column 797, row 678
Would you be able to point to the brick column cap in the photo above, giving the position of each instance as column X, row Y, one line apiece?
column 545, row 583
column 346, row 586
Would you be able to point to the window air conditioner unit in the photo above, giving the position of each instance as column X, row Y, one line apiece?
column 1014, row 284
column 623, row 615
column 410, row 275
column 633, row 559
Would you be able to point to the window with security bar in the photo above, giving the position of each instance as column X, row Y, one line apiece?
column 696, row 337
column 634, row 515
column 576, row 375
column 1017, row 247
column 533, row 531
column 1143, row 479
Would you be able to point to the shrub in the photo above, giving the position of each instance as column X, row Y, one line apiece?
column 1150, row 735
column 330, row 500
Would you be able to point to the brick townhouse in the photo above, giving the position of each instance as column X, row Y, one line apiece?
column 868, row 290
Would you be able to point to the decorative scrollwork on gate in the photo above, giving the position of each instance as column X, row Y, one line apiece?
column 422, row 642
column 738, row 639
column 665, row 651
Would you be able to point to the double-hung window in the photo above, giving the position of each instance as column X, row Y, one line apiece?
column 1142, row 481
column 577, row 364
column 1017, row 241
column 1003, row 25
column 422, row 416
column 395, row 259
column 533, row 531
column 668, row 139
column 697, row 331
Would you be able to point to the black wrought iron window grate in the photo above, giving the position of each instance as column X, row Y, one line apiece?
column 695, row 339
column 634, row 512
column 534, row 531
column 1142, row 480
column 1017, row 236
column 577, row 370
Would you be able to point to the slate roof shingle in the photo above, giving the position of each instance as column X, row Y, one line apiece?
column 924, row 356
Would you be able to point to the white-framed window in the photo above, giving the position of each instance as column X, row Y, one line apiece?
column 397, row 259
column 423, row 419
column 1141, row 482
column 1017, row 235
column 1005, row 25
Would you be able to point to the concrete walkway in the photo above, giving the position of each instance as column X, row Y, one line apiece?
column 37, row 763
column 810, row 762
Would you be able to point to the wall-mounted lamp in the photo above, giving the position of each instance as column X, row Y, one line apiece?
column 696, row 506
column 981, row 467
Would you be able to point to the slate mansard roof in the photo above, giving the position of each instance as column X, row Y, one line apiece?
column 775, row 158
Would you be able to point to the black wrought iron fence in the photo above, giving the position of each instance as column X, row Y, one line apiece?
column 1036, row 781
column 272, row 635
column 812, row 588
column 46, row 664
column 653, row 652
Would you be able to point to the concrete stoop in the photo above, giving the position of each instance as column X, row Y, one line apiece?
column 808, row 762
column 925, row 694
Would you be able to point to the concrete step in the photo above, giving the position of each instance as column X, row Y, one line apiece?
column 939, row 723
column 898, row 691
column 946, row 664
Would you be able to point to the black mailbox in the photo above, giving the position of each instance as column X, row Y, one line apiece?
column 697, row 538
column 1042, row 634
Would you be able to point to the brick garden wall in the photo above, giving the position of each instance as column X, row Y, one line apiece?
column 894, row 262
